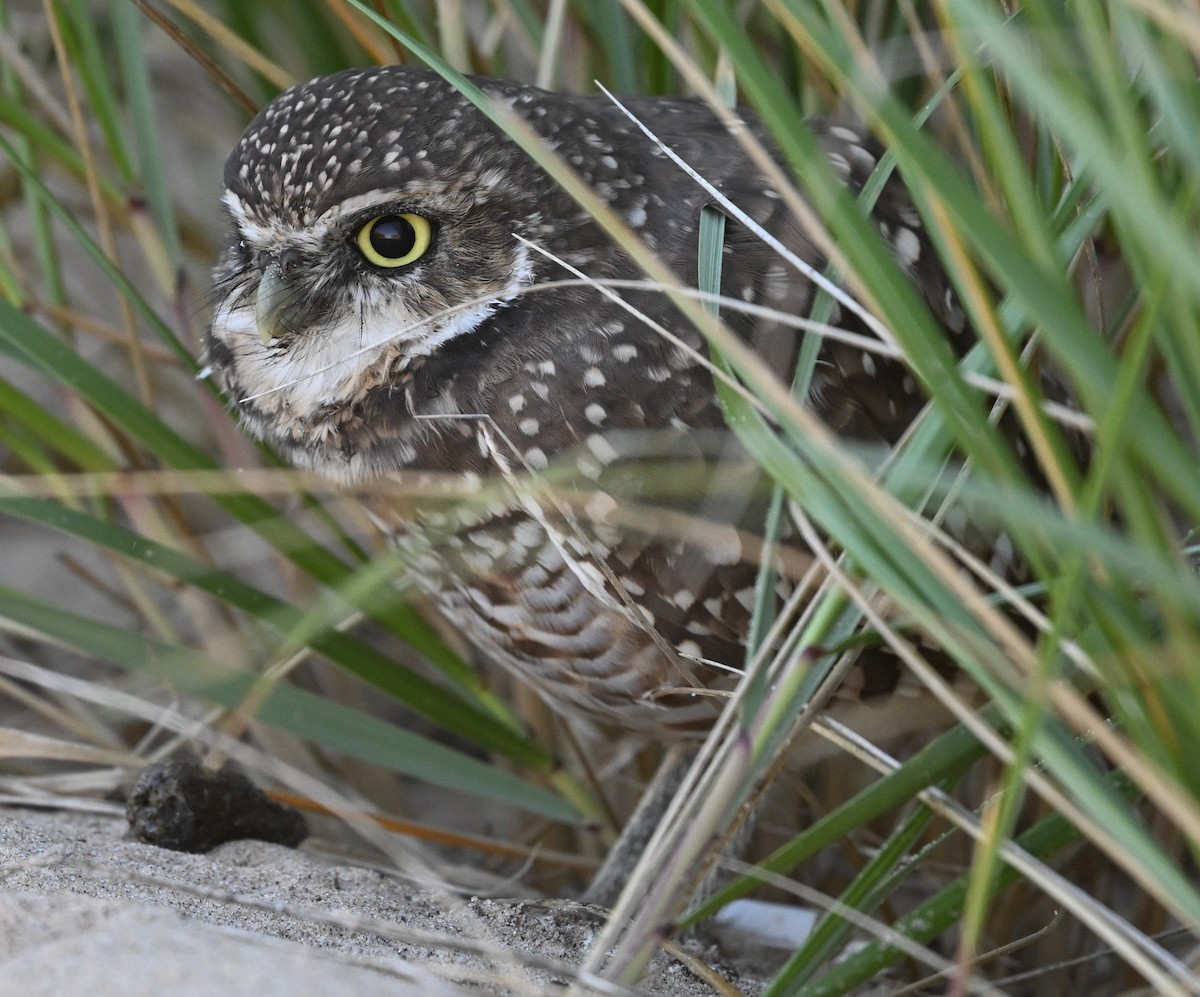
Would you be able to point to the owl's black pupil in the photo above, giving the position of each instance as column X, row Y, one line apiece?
column 392, row 237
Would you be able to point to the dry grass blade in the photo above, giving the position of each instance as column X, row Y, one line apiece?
column 1030, row 142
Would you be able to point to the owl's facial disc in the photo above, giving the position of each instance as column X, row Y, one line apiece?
column 320, row 313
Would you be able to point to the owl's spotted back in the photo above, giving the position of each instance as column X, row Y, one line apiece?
column 380, row 313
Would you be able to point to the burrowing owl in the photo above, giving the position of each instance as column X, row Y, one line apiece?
column 382, row 307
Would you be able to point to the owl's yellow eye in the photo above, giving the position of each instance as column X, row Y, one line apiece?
column 394, row 240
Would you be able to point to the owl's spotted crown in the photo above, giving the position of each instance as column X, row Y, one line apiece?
column 331, row 138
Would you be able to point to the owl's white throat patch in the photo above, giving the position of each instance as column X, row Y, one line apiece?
column 336, row 362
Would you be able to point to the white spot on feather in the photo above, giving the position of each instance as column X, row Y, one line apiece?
column 908, row 246
column 601, row 449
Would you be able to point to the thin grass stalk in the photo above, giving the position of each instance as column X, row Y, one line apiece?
column 232, row 42
column 945, row 759
column 1046, row 838
column 551, row 45
column 305, row 713
column 107, row 239
column 875, row 882
column 135, row 77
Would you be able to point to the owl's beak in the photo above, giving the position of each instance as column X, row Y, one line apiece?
column 279, row 305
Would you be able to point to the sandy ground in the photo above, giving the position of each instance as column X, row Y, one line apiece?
column 86, row 911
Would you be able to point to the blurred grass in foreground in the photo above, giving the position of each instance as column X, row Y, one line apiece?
column 1052, row 155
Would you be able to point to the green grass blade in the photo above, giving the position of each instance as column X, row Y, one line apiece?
column 82, row 31
column 425, row 697
column 51, row 432
column 302, row 713
column 127, row 32
column 877, row 880
column 945, row 759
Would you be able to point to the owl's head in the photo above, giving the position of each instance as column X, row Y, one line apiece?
column 374, row 217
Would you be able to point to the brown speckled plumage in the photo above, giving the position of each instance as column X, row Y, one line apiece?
column 448, row 364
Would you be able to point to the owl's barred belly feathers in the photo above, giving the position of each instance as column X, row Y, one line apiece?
column 379, row 311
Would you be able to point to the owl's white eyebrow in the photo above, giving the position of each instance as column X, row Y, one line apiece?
column 359, row 202
column 274, row 231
